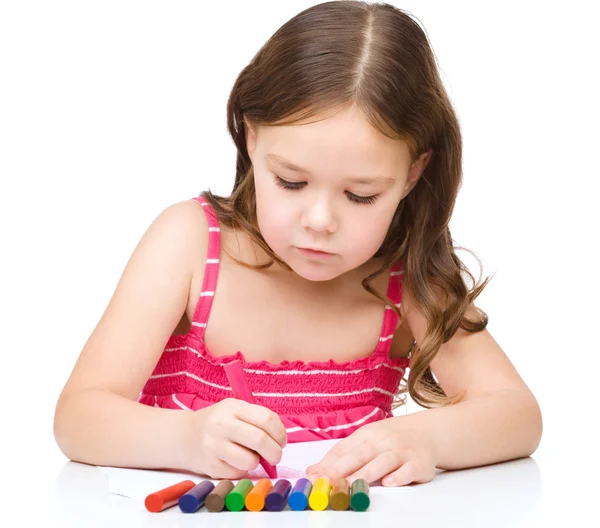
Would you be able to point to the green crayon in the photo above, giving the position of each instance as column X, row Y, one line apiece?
column 359, row 500
column 236, row 497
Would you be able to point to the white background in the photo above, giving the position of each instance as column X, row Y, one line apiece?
column 111, row 111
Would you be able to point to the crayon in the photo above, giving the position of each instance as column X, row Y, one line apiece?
column 215, row 502
column 165, row 498
column 255, row 500
column 340, row 494
column 319, row 498
column 194, row 499
column 298, row 499
column 234, row 501
column 277, row 497
column 359, row 500
column 241, row 390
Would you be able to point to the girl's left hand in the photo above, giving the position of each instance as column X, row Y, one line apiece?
column 386, row 449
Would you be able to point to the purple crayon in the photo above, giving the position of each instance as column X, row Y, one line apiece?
column 194, row 498
column 277, row 497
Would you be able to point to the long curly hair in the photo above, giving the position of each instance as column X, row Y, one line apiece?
column 374, row 56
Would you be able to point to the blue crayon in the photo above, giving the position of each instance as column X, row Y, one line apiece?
column 278, row 495
column 298, row 499
column 194, row 499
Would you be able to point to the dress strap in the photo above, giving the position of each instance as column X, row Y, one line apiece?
column 390, row 318
column 211, row 269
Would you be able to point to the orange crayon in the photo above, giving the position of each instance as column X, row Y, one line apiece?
column 165, row 498
column 255, row 500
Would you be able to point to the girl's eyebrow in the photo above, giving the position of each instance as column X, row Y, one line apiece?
column 280, row 160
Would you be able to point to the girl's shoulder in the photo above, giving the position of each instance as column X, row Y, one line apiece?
column 185, row 223
column 180, row 232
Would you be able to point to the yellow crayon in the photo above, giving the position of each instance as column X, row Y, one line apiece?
column 319, row 497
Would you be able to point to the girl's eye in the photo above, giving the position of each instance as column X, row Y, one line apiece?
column 294, row 186
column 361, row 199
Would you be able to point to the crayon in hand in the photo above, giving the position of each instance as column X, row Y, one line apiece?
column 241, row 390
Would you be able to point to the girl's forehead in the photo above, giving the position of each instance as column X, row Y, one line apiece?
column 350, row 130
column 355, row 145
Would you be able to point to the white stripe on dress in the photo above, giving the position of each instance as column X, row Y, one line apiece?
column 207, row 294
column 190, row 375
column 178, row 403
column 396, row 273
column 319, row 371
column 321, row 394
column 334, row 427
column 214, row 229
column 289, row 372
column 212, row 261
column 386, row 338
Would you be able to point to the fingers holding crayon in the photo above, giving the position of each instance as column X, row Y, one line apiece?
column 264, row 419
column 251, row 433
column 226, row 439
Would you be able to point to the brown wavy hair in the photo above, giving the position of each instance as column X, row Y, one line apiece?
column 339, row 54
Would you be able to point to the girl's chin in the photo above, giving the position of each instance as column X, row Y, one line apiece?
column 315, row 273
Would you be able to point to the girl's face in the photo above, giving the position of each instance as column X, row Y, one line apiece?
column 326, row 192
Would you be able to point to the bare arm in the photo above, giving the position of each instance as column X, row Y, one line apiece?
column 99, row 427
column 499, row 419
column 491, row 428
column 97, row 418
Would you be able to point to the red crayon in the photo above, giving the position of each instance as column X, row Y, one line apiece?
column 167, row 497
column 241, row 390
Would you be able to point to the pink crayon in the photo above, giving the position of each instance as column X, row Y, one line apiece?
column 241, row 390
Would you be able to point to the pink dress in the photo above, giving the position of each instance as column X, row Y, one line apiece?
column 315, row 400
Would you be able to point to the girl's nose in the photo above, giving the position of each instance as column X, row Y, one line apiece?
column 319, row 217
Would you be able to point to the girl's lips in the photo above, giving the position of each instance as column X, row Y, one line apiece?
column 314, row 253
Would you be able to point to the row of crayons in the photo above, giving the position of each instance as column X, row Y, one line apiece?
column 264, row 495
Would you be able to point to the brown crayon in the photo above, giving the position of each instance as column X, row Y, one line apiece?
column 340, row 494
column 215, row 501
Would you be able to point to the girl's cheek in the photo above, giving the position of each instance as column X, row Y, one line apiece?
column 365, row 237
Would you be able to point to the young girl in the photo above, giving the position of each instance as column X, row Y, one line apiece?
column 329, row 271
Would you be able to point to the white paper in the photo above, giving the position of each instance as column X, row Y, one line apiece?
column 139, row 483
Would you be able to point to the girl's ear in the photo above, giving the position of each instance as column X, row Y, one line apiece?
column 426, row 158
column 416, row 170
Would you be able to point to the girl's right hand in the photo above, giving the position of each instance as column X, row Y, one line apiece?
column 223, row 441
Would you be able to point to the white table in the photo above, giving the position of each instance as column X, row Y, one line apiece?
column 503, row 495
column 556, row 487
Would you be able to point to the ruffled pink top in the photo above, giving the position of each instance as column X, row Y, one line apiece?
column 315, row 400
